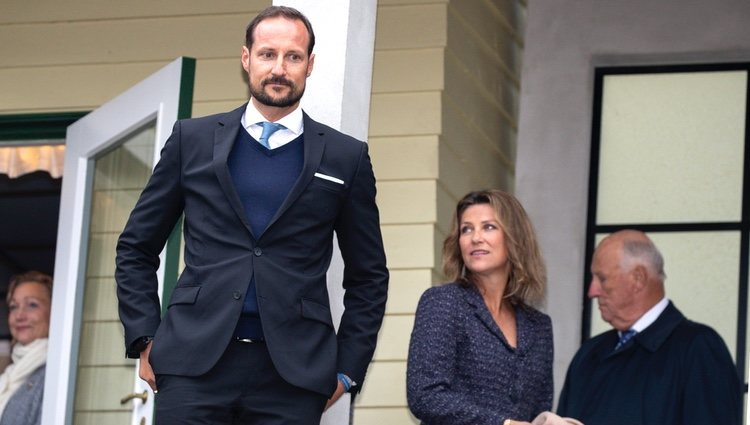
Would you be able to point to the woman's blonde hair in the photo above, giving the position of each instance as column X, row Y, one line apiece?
column 528, row 277
column 30, row 276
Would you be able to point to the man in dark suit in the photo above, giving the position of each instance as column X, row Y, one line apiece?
column 248, row 335
column 655, row 366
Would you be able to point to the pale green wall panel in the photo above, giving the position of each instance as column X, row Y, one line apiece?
column 672, row 147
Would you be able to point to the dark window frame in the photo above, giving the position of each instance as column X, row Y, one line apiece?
column 743, row 226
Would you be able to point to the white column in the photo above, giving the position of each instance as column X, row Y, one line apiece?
column 338, row 94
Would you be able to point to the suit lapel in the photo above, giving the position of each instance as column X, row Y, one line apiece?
column 314, row 146
column 224, row 137
column 483, row 314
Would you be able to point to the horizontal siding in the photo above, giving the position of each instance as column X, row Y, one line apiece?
column 410, row 26
column 461, row 173
column 405, row 114
column 219, row 84
column 122, row 41
column 67, row 88
column 100, row 52
column 102, row 344
column 408, row 70
column 119, row 203
column 411, row 2
column 491, row 27
column 385, row 385
column 474, row 129
column 488, row 78
column 220, row 80
column 100, row 388
column 101, row 258
column 446, row 206
column 202, row 109
column 397, row 331
column 405, row 288
column 407, row 201
column 410, row 246
column 364, row 415
column 102, row 303
column 50, row 11
column 100, row 418
column 405, row 157
column 480, row 107
column 405, row 127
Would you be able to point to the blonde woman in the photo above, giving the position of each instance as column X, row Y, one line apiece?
column 480, row 353
column 22, row 382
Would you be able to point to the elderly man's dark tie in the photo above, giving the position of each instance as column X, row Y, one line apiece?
column 625, row 337
column 268, row 129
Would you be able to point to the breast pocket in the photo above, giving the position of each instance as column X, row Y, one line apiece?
column 322, row 200
column 331, row 186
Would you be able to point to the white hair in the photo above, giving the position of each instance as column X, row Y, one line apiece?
column 644, row 252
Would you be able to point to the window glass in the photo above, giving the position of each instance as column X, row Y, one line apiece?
column 666, row 141
column 119, row 178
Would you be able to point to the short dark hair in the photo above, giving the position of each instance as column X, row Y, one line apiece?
column 284, row 11
column 27, row 277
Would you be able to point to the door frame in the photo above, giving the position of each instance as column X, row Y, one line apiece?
column 165, row 96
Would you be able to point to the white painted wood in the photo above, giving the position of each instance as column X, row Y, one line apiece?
column 338, row 94
column 156, row 97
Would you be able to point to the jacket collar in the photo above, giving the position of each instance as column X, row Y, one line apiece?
column 225, row 134
column 657, row 333
column 314, row 141
column 650, row 338
column 524, row 332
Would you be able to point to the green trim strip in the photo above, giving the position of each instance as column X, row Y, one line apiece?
column 187, row 86
column 184, row 110
column 36, row 126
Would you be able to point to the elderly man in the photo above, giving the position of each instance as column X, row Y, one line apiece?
column 655, row 366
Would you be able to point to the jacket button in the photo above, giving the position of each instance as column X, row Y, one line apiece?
column 258, row 252
column 236, row 295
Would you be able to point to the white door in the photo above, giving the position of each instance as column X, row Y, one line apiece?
column 110, row 153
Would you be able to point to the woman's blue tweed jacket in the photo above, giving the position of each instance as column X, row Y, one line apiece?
column 461, row 369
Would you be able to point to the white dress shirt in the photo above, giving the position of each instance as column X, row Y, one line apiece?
column 292, row 122
column 650, row 316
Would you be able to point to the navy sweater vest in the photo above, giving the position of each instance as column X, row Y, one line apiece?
column 263, row 179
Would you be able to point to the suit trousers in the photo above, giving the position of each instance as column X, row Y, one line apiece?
column 243, row 388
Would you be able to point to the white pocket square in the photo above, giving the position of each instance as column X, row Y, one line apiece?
column 329, row 178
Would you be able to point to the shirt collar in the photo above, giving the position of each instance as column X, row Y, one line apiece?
column 292, row 121
column 650, row 316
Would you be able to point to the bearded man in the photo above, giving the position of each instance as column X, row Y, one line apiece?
column 248, row 335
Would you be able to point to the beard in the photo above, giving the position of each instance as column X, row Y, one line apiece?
column 291, row 98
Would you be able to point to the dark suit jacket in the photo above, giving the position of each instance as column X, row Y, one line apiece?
column 461, row 369
column 675, row 372
column 289, row 260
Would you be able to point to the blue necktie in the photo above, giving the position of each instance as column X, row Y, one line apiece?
column 268, row 129
column 625, row 337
